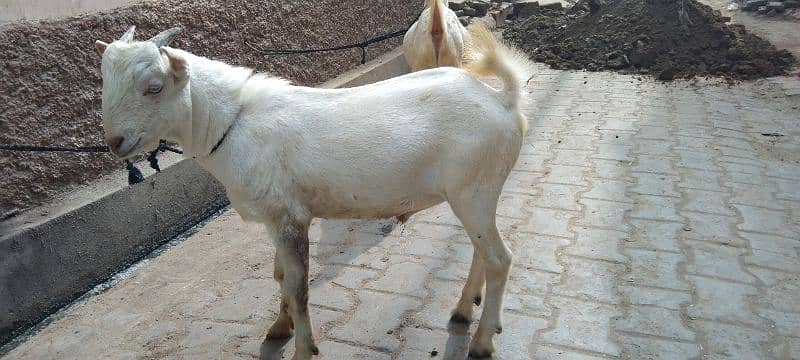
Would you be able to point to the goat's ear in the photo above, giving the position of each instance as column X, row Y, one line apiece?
column 177, row 63
column 100, row 47
column 128, row 35
column 165, row 37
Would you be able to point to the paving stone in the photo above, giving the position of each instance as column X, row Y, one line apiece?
column 608, row 189
column 420, row 246
column 755, row 195
column 651, row 207
column 610, row 169
column 404, row 277
column 744, row 178
column 531, row 163
column 765, row 220
column 707, row 201
column 590, row 280
column 713, row 228
column 655, row 184
column 654, row 132
column 701, row 160
column 375, row 315
column 521, row 182
column 530, row 281
column 329, row 295
column 583, row 325
column 557, row 196
column 544, row 352
column 774, row 244
column 723, row 301
column 717, row 261
column 352, row 278
column 247, row 302
column 453, row 271
column 600, row 244
column 604, row 214
column 654, row 164
column 537, row 251
column 655, row 268
column 670, row 299
column 565, row 174
column 742, row 168
column 336, row 350
column 436, row 313
column 769, row 259
column 435, row 232
column 654, row 235
column 786, row 323
column 515, row 345
column 512, row 205
column 732, row 342
column 612, row 152
column 202, row 334
column 548, row 222
column 530, row 305
column 654, row 321
column 571, row 157
column 577, row 142
column 654, row 147
column 700, row 179
column 787, row 189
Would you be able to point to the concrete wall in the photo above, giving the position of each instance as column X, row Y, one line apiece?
column 46, row 264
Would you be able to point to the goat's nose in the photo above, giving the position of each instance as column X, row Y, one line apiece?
column 114, row 142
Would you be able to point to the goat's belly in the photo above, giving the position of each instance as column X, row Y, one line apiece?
column 353, row 207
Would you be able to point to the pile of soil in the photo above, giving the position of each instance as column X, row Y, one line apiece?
column 50, row 93
column 648, row 36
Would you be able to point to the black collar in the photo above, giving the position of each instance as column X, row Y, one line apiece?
column 221, row 139
column 225, row 134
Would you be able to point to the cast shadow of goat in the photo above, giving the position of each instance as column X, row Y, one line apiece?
column 336, row 244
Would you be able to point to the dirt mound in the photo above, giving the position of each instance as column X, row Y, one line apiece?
column 50, row 92
column 648, row 36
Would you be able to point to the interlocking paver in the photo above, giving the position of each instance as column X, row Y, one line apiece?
column 654, row 321
column 583, row 325
column 646, row 223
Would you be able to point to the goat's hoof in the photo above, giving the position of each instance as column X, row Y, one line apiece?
column 314, row 350
column 477, row 300
column 480, row 354
column 279, row 334
column 498, row 330
column 459, row 318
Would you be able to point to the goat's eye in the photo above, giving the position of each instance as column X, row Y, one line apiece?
column 153, row 89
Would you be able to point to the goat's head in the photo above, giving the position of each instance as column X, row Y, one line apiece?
column 145, row 92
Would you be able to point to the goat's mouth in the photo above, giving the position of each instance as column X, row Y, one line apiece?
column 129, row 151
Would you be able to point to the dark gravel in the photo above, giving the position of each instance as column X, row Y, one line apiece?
column 648, row 36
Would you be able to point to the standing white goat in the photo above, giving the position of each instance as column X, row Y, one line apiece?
column 287, row 154
column 436, row 39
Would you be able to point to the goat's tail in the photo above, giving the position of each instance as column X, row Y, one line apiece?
column 492, row 57
column 438, row 28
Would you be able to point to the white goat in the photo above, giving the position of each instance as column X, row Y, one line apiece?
column 436, row 39
column 287, row 154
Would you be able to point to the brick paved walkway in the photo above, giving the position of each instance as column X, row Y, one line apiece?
column 648, row 221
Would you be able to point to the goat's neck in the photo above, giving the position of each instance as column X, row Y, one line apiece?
column 215, row 90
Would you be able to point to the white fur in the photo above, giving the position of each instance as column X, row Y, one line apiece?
column 293, row 153
column 419, row 46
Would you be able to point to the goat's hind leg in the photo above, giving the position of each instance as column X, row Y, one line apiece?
column 476, row 209
column 283, row 325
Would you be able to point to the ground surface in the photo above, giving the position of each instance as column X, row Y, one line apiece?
column 50, row 93
column 648, row 221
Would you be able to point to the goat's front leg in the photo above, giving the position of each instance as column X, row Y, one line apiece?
column 292, row 249
column 283, row 325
